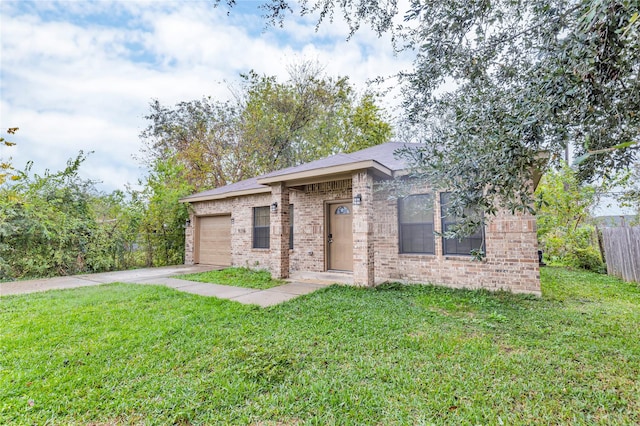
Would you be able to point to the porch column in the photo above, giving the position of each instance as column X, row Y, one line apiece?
column 363, row 254
column 190, row 240
column 279, row 232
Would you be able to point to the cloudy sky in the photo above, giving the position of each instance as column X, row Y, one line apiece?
column 79, row 75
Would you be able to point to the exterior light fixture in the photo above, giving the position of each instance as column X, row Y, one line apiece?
column 187, row 223
column 274, row 207
column 357, row 200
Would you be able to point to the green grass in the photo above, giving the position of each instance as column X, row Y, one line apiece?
column 240, row 277
column 128, row 354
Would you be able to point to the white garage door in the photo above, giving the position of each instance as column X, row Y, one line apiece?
column 214, row 240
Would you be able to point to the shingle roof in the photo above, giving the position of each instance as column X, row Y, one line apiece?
column 382, row 154
column 243, row 185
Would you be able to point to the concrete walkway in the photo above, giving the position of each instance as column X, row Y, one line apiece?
column 162, row 276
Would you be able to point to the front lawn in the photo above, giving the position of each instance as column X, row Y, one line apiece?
column 132, row 354
column 241, row 277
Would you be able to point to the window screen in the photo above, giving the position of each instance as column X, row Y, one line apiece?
column 415, row 220
column 454, row 246
column 290, row 226
column 261, row 223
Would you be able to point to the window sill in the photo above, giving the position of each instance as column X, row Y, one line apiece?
column 463, row 257
column 418, row 254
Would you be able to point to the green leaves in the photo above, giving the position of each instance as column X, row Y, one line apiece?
column 630, row 196
column 6, row 168
column 269, row 126
column 160, row 227
column 565, row 231
column 530, row 77
column 58, row 224
column 47, row 225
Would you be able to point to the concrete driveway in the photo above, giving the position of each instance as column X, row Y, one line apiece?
column 162, row 276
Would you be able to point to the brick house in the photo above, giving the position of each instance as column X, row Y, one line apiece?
column 333, row 214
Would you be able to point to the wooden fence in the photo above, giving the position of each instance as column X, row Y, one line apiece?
column 622, row 252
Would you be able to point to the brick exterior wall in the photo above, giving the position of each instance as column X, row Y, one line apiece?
column 309, row 210
column 190, row 241
column 364, row 269
column 511, row 261
column 241, row 210
column 279, row 233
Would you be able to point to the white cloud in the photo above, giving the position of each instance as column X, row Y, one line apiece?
column 80, row 75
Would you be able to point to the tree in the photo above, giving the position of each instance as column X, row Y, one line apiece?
column 533, row 77
column 201, row 134
column 378, row 13
column 530, row 79
column 308, row 117
column 161, row 229
column 268, row 126
column 58, row 224
column 565, row 229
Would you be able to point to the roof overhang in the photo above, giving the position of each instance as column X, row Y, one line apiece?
column 222, row 195
column 342, row 171
column 324, row 173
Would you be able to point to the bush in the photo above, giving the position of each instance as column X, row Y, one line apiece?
column 586, row 258
column 576, row 249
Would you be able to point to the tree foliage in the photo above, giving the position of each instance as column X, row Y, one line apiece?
column 161, row 232
column 58, row 224
column 6, row 168
column 630, row 196
column 45, row 223
column 379, row 14
column 116, row 238
column 532, row 77
column 268, row 126
column 565, row 230
column 523, row 78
